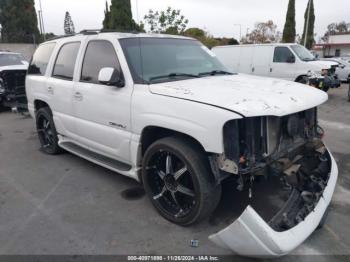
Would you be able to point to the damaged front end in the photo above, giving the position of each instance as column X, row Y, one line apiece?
column 12, row 89
column 288, row 148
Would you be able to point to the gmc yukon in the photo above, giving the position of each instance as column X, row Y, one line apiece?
column 163, row 110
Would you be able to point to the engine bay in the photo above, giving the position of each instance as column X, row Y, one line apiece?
column 288, row 149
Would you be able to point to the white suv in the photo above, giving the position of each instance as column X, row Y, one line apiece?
column 164, row 111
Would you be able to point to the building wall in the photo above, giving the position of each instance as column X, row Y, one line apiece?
column 27, row 50
column 344, row 50
column 339, row 39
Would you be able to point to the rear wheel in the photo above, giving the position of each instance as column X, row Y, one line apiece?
column 178, row 181
column 47, row 132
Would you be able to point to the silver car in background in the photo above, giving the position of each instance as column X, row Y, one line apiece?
column 343, row 70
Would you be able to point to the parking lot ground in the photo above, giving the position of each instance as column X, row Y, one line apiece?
column 66, row 205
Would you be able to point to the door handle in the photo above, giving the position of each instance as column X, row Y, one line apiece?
column 253, row 69
column 50, row 90
column 78, row 96
column 271, row 69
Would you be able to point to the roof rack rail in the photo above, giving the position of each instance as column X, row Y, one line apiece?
column 94, row 32
column 90, row 31
column 118, row 31
column 60, row 36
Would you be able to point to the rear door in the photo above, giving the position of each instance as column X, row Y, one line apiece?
column 37, row 75
column 102, row 111
column 261, row 60
column 60, row 87
column 246, row 59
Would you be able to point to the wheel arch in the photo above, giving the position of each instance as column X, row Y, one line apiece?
column 38, row 104
column 300, row 78
column 151, row 134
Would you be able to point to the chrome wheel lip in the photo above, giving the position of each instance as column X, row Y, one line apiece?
column 165, row 179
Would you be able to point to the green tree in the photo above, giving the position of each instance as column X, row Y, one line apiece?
column 50, row 35
column 207, row 39
column 264, row 32
column 195, row 33
column 19, row 21
column 107, row 19
column 69, row 28
column 309, row 26
column 170, row 21
column 289, row 31
column 121, row 16
column 202, row 36
column 118, row 17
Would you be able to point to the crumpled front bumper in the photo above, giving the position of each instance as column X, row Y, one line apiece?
column 251, row 236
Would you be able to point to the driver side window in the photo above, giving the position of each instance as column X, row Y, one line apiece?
column 99, row 54
column 283, row 55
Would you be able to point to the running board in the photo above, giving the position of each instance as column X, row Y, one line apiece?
column 95, row 157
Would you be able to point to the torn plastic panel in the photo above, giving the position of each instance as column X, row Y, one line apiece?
column 287, row 148
column 251, row 236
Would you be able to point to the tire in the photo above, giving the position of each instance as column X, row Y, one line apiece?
column 166, row 190
column 325, row 89
column 303, row 80
column 47, row 132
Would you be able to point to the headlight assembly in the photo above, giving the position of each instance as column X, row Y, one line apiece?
column 2, row 86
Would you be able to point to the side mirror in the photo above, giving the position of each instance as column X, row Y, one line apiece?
column 291, row 59
column 111, row 76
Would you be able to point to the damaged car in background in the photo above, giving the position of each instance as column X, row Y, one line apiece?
column 172, row 117
column 13, row 69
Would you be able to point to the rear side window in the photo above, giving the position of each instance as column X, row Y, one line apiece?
column 99, row 54
column 65, row 61
column 282, row 55
column 41, row 59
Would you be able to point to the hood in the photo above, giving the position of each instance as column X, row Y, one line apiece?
column 323, row 64
column 245, row 94
column 14, row 67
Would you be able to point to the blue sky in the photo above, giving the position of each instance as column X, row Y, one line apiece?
column 216, row 16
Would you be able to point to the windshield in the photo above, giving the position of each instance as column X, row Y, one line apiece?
column 155, row 60
column 11, row 59
column 303, row 53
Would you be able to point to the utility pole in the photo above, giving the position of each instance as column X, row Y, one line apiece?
column 137, row 11
column 40, row 26
column 42, row 21
column 240, row 31
column 307, row 23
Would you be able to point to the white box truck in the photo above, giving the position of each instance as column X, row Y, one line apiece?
column 285, row 61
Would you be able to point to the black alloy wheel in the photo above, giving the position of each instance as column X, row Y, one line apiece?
column 178, row 181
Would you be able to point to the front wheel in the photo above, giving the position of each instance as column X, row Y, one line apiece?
column 179, row 182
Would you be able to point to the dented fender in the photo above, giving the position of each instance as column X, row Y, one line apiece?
column 251, row 236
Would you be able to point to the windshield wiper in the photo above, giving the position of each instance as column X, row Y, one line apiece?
column 173, row 75
column 215, row 72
